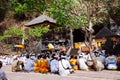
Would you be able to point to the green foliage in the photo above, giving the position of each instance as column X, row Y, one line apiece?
column 62, row 12
column 75, row 12
column 65, row 12
column 116, row 9
column 38, row 31
column 27, row 6
column 20, row 9
column 4, row 5
column 13, row 31
column 3, row 37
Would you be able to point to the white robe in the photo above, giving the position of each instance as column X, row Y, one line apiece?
column 82, row 64
column 111, row 62
column 100, row 65
column 63, row 64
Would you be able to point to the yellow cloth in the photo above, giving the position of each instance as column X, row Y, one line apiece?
column 50, row 46
column 99, row 44
column 74, row 63
column 44, row 66
column 41, row 66
column 37, row 66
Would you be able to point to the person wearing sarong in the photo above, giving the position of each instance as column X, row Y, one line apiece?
column 100, row 61
column 54, row 65
column 44, row 65
column 82, row 63
column 2, row 73
column 15, row 64
column 111, row 62
column 37, row 64
column 73, row 62
column 29, row 64
column 64, row 66
column 118, row 61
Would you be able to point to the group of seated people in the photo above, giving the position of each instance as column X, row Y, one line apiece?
column 57, row 64
column 64, row 64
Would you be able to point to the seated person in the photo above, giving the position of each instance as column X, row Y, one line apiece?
column 37, row 64
column 2, row 73
column 74, row 62
column 54, row 64
column 44, row 65
column 100, row 61
column 16, row 64
column 82, row 63
column 64, row 66
column 29, row 64
column 118, row 61
column 111, row 62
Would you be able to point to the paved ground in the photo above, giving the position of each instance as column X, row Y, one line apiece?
column 78, row 75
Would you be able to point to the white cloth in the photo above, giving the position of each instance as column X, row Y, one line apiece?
column 3, row 75
column 88, row 57
column 111, row 62
column 82, row 64
column 112, row 66
column 63, row 65
column 101, row 58
column 100, row 65
column 54, row 65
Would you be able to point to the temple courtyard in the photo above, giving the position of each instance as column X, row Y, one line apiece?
column 78, row 75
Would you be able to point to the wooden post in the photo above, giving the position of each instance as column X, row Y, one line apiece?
column 71, row 37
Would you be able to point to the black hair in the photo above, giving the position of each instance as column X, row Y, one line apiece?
column 75, row 57
column 27, row 56
column 53, row 55
column 39, row 56
column 71, row 56
column 1, row 64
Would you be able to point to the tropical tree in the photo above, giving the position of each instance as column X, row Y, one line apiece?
column 81, row 13
column 70, row 13
column 24, row 9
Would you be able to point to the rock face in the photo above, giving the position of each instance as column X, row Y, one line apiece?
column 4, row 49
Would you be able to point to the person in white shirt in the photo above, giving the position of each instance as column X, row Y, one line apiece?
column 82, row 63
column 54, row 65
column 111, row 62
column 2, row 73
column 64, row 66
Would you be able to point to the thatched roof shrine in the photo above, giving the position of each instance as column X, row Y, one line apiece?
column 105, row 33
column 39, row 20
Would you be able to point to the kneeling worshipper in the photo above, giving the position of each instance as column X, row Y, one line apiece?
column 111, row 62
column 29, row 64
column 118, row 61
column 16, row 64
column 44, row 65
column 64, row 66
column 54, row 65
column 100, row 62
column 37, row 64
column 2, row 73
column 82, row 63
column 74, row 62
